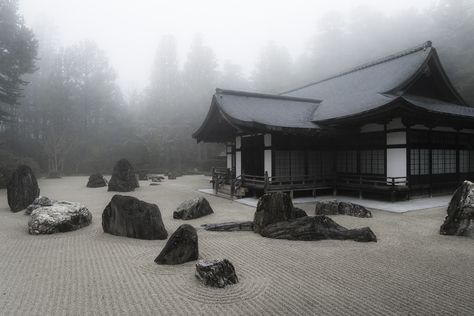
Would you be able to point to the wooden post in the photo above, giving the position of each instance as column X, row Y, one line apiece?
column 265, row 186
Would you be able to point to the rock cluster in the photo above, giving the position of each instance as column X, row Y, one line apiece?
column 216, row 273
column 194, row 208
column 123, row 178
column 460, row 218
column 96, row 180
column 60, row 217
column 341, row 208
column 130, row 217
column 22, row 189
column 181, row 247
column 276, row 217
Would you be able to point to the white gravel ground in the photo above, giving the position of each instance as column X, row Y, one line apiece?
column 410, row 270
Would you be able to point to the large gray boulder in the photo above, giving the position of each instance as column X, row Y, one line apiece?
column 62, row 216
column 181, row 247
column 130, row 217
column 341, row 208
column 96, row 180
column 22, row 189
column 216, row 273
column 194, row 208
column 460, row 218
column 315, row 228
column 123, row 178
column 39, row 202
column 273, row 208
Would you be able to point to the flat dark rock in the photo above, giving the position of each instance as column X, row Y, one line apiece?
column 22, row 189
column 123, row 178
column 460, row 218
column 194, row 208
column 216, row 273
column 315, row 228
column 341, row 208
column 181, row 247
column 229, row 226
column 130, row 217
column 96, row 180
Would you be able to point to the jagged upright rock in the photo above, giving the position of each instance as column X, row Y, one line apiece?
column 22, row 189
column 194, row 208
column 315, row 228
column 216, row 273
column 123, row 178
column 273, row 208
column 460, row 218
column 181, row 247
column 130, row 217
column 341, row 208
column 96, row 180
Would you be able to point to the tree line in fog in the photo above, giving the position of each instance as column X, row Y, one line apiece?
column 64, row 112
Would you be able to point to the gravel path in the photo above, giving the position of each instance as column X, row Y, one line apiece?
column 410, row 270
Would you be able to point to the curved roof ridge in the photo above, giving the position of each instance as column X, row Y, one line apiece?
column 378, row 61
column 265, row 95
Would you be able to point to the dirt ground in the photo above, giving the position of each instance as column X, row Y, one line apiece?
column 410, row 270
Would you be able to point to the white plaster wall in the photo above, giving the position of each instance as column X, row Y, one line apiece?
column 397, row 138
column 395, row 123
column 238, row 163
column 470, row 131
column 268, row 161
column 238, row 142
column 372, row 127
column 267, row 140
column 229, row 161
column 396, row 162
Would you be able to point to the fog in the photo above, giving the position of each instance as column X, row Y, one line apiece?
column 96, row 81
column 128, row 31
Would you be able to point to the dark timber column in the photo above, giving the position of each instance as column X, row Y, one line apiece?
column 238, row 156
column 267, row 142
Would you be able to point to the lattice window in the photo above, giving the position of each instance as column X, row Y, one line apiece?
column 282, row 163
column 372, row 162
column 346, row 161
column 419, row 161
column 314, row 163
column 466, row 161
column 443, row 161
column 297, row 163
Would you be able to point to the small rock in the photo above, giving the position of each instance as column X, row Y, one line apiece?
column 299, row 212
column 62, row 216
column 22, row 189
column 96, row 180
column 154, row 183
column 130, row 217
column 229, row 226
column 194, row 208
column 39, row 202
column 460, row 218
column 181, row 247
column 216, row 273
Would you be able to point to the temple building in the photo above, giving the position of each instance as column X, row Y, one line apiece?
column 392, row 128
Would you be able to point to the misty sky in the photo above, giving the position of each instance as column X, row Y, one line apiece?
column 128, row 31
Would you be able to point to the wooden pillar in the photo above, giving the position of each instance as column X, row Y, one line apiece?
column 238, row 156
column 267, row 142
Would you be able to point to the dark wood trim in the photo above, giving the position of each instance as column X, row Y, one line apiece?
column 395, row 130
column 408, row 156
column 397, row 146
column 386, row 147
